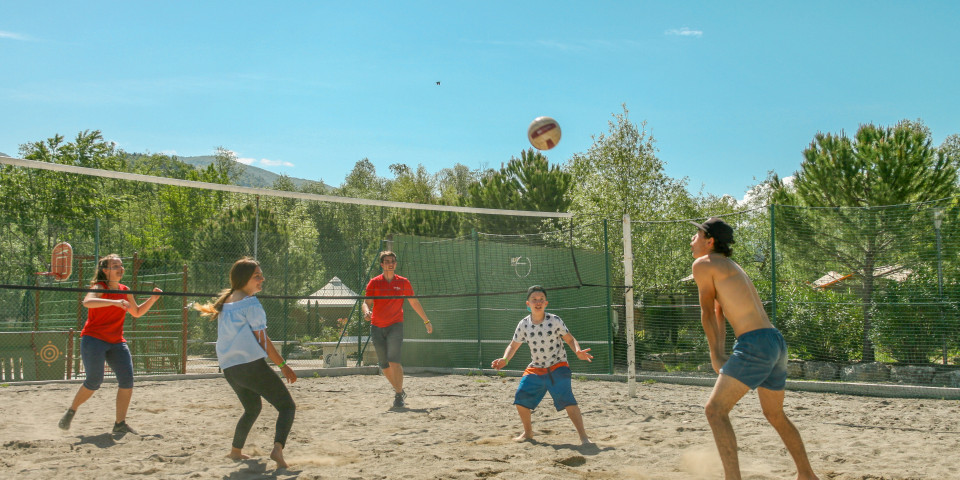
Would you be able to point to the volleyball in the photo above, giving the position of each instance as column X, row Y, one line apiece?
column 544, row 133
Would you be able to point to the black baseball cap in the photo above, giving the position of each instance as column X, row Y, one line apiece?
column 717, row 229
column 536, row 288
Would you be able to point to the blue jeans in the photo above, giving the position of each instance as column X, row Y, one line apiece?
column 94, row 352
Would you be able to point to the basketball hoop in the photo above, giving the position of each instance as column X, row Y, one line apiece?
column 61, row 262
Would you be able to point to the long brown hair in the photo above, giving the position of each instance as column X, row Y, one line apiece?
column 102, row 265
column 240, row 274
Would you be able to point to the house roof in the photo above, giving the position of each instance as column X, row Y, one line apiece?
column 334, row 288
column 897, row 273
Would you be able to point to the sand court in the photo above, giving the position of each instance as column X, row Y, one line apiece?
column 460, row 427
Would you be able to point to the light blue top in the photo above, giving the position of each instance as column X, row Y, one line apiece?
column 236, row 343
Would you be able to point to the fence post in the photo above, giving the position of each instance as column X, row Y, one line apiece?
column 773, row 266
column 286, row 313
column 476, row 270
column 69, row 354
column 606, row 271
column 628, row 303
column 185, row 321
column 96, row 243
column 256, row 228
column 36, row 306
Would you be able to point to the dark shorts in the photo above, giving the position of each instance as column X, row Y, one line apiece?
column 95, row 352
column 533, row 387
column 387, row 341
column 759, row 359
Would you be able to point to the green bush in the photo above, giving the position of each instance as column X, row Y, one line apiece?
column 910, row 324
column 823, row 325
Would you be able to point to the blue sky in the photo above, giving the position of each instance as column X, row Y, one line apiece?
column 730, row 90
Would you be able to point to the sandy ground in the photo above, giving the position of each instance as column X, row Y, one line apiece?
column 459, row 427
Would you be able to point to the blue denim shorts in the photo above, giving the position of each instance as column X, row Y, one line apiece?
column 95, row 352
column 533, row 387
column 759, row 359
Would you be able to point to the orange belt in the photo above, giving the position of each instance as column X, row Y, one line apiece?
column 544, row 371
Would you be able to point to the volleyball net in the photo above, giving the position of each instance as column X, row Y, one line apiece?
column 317, row 252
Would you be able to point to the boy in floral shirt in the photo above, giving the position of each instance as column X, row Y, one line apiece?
column 548, row 370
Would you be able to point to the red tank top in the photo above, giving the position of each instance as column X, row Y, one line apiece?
column 106, row 323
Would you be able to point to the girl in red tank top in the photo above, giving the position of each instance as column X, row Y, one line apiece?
column 101, row 340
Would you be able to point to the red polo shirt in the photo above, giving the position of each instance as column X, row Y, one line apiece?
column 387, row 311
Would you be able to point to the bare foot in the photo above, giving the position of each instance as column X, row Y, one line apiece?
column 277, row 456
column 523, row 438
column 585, row 441
column 812, row 476
column 236, row 455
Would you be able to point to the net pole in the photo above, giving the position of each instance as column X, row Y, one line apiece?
column 628, row 303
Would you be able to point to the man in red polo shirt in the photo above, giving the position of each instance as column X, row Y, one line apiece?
column 386, row 318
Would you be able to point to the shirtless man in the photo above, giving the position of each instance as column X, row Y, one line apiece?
column 759, row 359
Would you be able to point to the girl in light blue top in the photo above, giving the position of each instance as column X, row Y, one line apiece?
column 242, row 349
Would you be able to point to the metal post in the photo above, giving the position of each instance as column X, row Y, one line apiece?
column 937, row 223
column 69, row 354
column 606, row 269
column 773, row 267
column 184, row 319
column 628, row 305
column 256, row 228
column 96, row 243
column 286, row 313
column 360, row 281
column 476, row 269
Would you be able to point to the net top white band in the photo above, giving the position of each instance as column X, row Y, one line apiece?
column 19, row 162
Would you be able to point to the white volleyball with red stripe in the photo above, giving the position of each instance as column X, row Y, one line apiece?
column 544, row 133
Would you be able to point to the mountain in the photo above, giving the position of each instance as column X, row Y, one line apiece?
column 251, row 176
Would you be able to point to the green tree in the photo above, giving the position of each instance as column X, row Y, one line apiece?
column 169, row 215
column 40, row 207
column 525, row 183
column 349, row 233
column 621, row 174
column 226, row 165
column 950, row 148
column 879, row 166
column 419, row 186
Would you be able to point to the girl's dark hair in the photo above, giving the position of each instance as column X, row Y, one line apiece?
column 240, row 273
column 102, row 265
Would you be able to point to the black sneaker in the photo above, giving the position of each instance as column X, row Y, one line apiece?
column 66, row 419
column 121, row 429
column 398, row 400
column 403, row 394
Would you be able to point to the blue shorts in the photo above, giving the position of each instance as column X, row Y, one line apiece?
column 759, row 359
column 533, row 387
column 387, row 341
column 95, row 352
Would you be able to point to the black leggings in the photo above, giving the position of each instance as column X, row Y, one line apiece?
column 251, row 381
